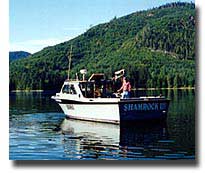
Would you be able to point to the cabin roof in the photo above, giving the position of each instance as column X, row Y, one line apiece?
column 77, row 81
column 96, row 76
column 93, row 77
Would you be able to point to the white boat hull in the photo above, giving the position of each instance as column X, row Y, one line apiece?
column 93, row 112
column 114, row 111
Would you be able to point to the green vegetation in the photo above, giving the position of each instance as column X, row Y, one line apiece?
column 155, row 47
column 17, row 55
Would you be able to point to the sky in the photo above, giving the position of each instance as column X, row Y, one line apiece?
column 35, row 24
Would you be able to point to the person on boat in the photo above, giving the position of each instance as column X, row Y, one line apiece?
column 97, row 93
column 125, row 88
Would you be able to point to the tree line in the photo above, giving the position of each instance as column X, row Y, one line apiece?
column 156, row 47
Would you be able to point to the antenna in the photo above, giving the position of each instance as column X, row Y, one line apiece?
column 69, row 59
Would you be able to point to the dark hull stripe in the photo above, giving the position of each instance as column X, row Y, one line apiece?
column 82, row 103
column 63, row 101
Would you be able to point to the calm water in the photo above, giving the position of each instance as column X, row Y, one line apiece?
column 39, row 131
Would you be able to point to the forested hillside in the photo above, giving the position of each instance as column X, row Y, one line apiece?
column 156, row 47
column 17, row 55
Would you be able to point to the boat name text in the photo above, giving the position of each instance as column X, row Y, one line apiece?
column 144, row 107
column 70, row 106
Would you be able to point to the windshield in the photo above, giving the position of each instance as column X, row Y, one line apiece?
column 69, row 89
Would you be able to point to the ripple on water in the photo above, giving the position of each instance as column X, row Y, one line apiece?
column 37, row 134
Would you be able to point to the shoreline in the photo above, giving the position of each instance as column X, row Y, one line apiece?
column 17, row 91
column 181, row 88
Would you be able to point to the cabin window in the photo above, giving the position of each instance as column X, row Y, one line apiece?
column 87, row 89
column 97, row 89
column 65, row 89
column 69, row 89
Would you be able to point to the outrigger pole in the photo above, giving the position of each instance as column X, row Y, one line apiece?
column 69, row 60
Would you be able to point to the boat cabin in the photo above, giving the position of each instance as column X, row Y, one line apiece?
column 95, row 87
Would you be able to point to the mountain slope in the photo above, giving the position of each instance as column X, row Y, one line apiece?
column 17, row 55
column 156, row 47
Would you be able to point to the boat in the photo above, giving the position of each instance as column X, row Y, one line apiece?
column 95, row 100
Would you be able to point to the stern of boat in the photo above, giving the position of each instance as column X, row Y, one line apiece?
column 143, row 109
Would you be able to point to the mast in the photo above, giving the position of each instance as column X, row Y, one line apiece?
column 69, row 61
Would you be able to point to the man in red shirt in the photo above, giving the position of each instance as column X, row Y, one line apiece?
column 125, row 88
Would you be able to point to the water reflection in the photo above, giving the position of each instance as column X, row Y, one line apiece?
column 107, row 141
column 145, row 134
column 92, row 140
column 32, row 102
column 39, row 131
column 88, row 140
